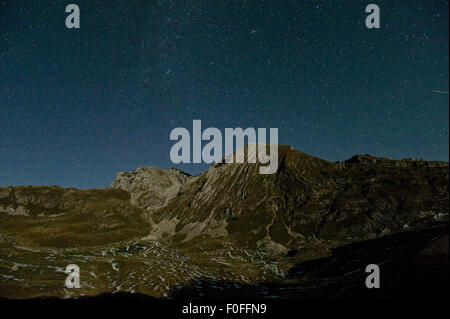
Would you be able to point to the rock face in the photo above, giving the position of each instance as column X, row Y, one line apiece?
column 308, row 199
column 151, row 187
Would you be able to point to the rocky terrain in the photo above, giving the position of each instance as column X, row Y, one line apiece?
column 151, row 187
column 231, row 231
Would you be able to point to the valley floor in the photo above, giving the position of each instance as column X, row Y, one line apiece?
column 412, row 264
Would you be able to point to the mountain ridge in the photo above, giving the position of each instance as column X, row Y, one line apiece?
column 307, row 199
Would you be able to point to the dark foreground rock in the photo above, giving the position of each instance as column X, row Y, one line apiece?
column 412, row 265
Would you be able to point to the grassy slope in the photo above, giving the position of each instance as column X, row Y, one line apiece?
column 71, row 218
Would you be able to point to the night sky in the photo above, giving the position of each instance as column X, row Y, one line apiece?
column 79, row 105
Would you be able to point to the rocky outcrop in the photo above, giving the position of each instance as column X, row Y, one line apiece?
column 151, row 187
column 383, row 161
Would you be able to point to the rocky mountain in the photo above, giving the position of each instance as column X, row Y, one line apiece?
column 160, row 232
column 307, row 199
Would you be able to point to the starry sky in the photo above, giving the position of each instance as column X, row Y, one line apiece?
column 79, row 105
